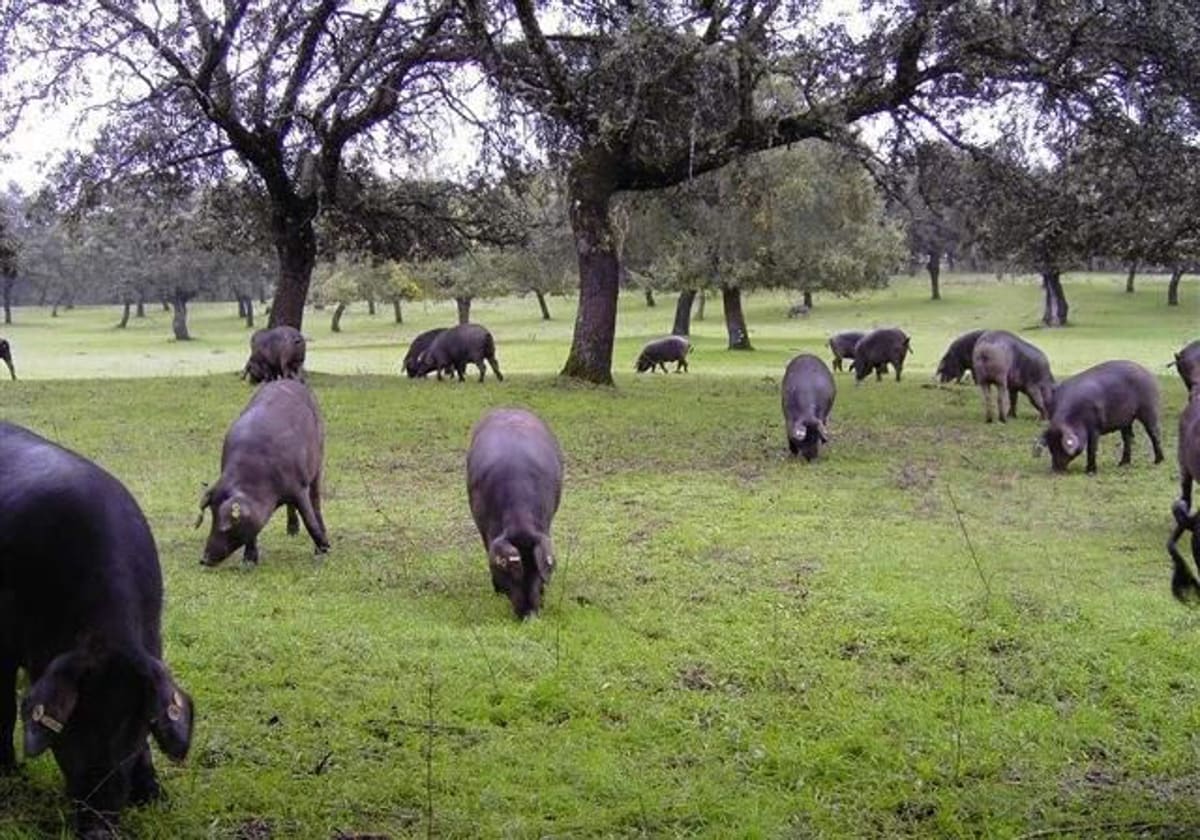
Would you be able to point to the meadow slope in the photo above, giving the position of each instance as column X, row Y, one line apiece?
column 924, row 633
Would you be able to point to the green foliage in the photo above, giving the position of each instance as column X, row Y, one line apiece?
column 806, row 218
column 821, row 657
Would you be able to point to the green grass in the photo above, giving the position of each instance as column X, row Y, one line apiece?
column 735, row 644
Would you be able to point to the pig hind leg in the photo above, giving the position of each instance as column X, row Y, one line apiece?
column 1150, row 424
column 985, row 389
column 309, row 505
column 1126, row 445
column 491, row 360
column 1004, row 403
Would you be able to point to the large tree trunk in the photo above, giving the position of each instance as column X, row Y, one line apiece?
column 1133, row 267
column 650, row 297
column 296, row 246
column 8, row 287
column 249, row 307
column 125, row 314
column 140, row 307
column 934, row 267
column 1054, row 313
column 700, row 307
column 541, row 299
column 1173, row 286
column 591, row 354
column 370, row 304
column 179, row 322
column 683, row 313
column 336, row 323
column 463, row 304
column 808, row 298
column 735, row 319
column 241, row 304
column 397, row 311
column 166, row 305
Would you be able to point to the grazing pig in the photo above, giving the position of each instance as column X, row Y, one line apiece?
column 454, row 348
column 272, row 456
column 879, row 348
column 80, row 611
column 419, row 345
column 1184, row 583
column 514, row 484
column 1102, row 399
column 808, row 394
column 842, row 346
column 673, row 348
column 277, row 353
column 1187, row 362
column 1013, row 366
column 6, row 356
column 958, row 358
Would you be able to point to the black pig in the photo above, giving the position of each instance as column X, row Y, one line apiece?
column 1102, row 399
column 272, row 456
column 277, row 353
column 80, row 611
column 958, row 358
column 808, row 394
column 842, row 346
column 6, row 357
column 1013, row 366
column 419, row 345
column 1183, row 582
column 455, row 348
column 1187, row 362
column 879, row 348
column 514, row 485
column 673, row 348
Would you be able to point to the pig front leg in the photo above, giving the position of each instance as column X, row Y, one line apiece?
column 293, row 521
column 313, row 522
column 250, row 552
column 1091, row 450
column 8, row 711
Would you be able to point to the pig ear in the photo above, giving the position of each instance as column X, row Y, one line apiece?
column 171, row 710
column 48, row 706
column 205, row 501
column 227, row 514
column 499, row 552
column 545, row 558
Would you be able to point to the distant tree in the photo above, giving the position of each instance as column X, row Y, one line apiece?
column 933, row 197
column 9, row 249
column 807, row 219
column 645, row 96
column 288, row 88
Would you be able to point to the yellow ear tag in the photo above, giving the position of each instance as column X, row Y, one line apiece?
column 235, row 512
column 39, row 716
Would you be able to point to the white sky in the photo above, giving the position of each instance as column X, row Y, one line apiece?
column 44, row 135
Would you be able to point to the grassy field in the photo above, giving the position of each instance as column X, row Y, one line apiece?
column 924, row 633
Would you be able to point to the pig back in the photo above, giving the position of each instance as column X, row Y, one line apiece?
column 281, row 429
column 514, row 464
column 1113, row 393
column 808, row 387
